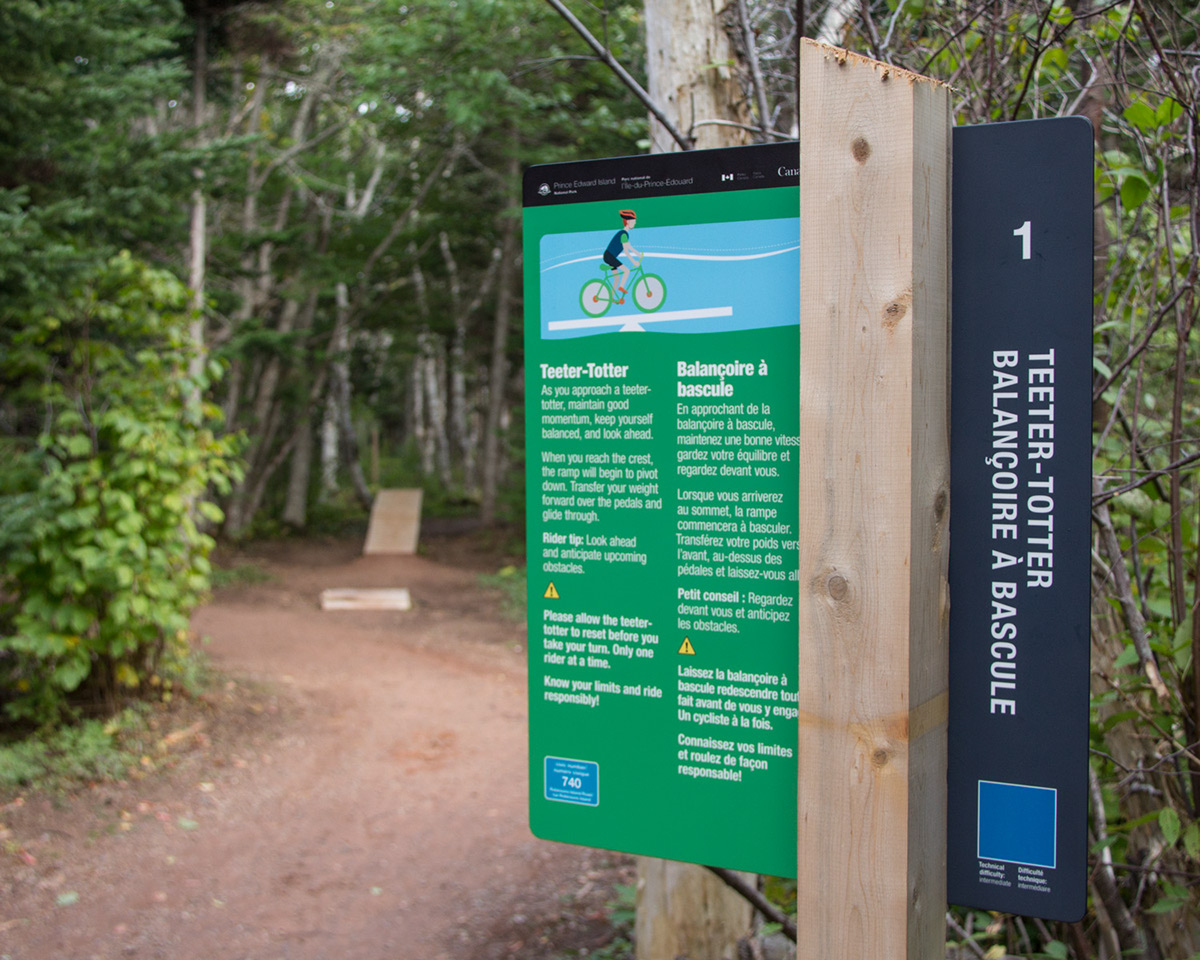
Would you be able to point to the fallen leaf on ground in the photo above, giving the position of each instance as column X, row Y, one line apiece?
column 68, row 898
column 186, row 824
column 178, row 736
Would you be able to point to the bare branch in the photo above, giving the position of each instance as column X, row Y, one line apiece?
column 1038, row 50
column 872, row 33
column 757, row 900
column 1107, row 495
column 756, row 77
column 402, row 221
column 971, row 945
column 1103, row 879
column 742, row 126
column 364, row 202
column 1152, row 33
column 685, row 142
column 1133, row 354
column 295, row 150
column 1124, row 590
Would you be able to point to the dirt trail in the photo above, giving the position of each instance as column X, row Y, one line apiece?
column 371, row 805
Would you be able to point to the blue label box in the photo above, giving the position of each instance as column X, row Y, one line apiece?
column 1018, row 823
column 572, row 781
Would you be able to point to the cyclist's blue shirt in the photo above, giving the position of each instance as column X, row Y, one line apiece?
column 616, row 246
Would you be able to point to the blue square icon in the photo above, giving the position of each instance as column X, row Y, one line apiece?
column 1018, row 823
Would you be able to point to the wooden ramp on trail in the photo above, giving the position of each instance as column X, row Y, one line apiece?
column 395, row 522
column 358, row 598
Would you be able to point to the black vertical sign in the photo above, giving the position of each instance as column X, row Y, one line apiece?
column 1020, row 495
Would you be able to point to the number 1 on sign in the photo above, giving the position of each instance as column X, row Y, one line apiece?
column 1025, row 232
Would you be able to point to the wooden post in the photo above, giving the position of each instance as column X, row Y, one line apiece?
column 874, row 508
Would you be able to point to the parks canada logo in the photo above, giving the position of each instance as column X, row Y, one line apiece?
column 544, row 190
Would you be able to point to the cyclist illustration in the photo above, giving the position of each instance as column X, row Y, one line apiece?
column 620, row 244
column 649, row 291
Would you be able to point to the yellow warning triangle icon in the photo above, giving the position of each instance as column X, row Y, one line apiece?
column 551, row 593
column 686, row 647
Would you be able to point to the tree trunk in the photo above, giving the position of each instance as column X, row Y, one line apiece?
column 340, row 387
column 350, row 444
column 686, row 911
column 330, row 433
column 295, row 507
column 431, row 380
column 339, row 365
column 458, row 353
column 243, row 502
column 416, row 393
column 683, row 909
column 435, row 383
column 688, row 54
column 244, row 286
column 198, row 230
column 498, row 384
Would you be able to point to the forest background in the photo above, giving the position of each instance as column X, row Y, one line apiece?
column 260, row 259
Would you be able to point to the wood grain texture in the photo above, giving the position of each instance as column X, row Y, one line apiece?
column 874, row 510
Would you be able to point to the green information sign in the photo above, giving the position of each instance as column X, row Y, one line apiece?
column 662, row 470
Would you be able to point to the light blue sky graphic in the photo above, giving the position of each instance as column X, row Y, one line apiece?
column 751, row 267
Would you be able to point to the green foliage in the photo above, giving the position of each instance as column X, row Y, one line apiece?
column 619, row 949
column 622, row 911
column 80, row 172
column 101, row 557
column 92, row 750
column 512, row 584
column 242, row 574
column 403, row 471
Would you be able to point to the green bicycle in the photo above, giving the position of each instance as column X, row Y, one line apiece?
column 598, row 296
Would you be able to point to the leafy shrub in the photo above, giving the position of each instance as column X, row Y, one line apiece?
column 91, row 750
column 101, row 558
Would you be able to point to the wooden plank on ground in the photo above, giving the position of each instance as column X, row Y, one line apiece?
column 355, row 598
column 395, row 522
column 874, row 313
